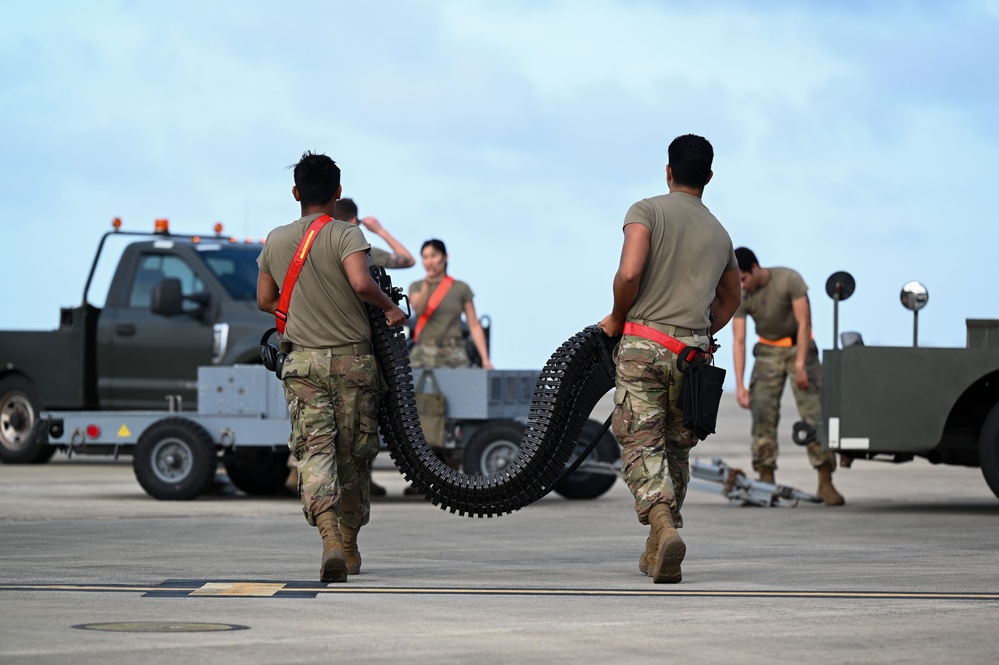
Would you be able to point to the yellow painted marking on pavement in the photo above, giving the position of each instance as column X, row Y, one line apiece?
column 252, row 589
column 123, row 431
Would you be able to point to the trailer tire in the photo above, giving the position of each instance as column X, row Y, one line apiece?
column 22, row 440
column 988, row 449
column 587, row 484
column 492, row 446
column 175, row 460
column 257, row 471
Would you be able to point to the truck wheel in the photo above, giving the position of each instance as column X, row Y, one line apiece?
column 590, row 484
column 257, row 471
column 492, row 447
column 988, row 449
column 21, row 440
column 175, row 460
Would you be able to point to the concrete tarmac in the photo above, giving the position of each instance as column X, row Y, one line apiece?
column 95, row 571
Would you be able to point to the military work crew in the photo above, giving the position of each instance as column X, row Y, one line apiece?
column 677, row 278
column 332, row 381
column 777, row 299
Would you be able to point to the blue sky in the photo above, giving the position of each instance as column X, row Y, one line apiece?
column 848, row 136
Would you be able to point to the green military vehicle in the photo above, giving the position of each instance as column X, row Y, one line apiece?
column 898, row 403
column 175, row 302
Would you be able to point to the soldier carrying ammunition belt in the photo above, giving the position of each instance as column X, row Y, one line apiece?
column 332, row 381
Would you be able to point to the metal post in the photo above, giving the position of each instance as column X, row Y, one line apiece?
column 836, row 320
column 915, row 328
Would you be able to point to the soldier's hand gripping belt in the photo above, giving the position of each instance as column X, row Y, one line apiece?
column 573, row 380
column 700, row 395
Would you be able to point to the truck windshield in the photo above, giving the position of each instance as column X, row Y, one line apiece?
column 235, row 266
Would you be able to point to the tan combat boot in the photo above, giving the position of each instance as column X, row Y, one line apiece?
column 826, row 491
column 647, row 561
column 767, row 474
column 352, row 554
column 334, row 566
column 671, row 548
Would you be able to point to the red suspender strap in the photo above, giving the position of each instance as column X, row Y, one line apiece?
column 435, row 300
column 671, row 343
column 281, row 314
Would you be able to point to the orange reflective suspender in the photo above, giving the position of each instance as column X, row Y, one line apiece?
column 432, row 304
column 281, row 313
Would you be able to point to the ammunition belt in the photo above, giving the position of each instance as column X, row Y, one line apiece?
column 571, row 383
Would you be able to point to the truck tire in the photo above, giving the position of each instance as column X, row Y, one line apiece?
column 988, row 449
column 588, row 484
column 492, row 446
column 257, row 471
column 21, row 439
column 175, row 460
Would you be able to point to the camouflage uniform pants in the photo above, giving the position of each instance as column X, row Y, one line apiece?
column 333, row 403
column 422, row 355
column 655, row 446
column 773, row 366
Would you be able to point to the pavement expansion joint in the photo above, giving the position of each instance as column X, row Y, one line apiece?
column 300, row 589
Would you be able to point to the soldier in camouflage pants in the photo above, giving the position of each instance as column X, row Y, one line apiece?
column 333, row 400
column 655, row 446
column 772, row 366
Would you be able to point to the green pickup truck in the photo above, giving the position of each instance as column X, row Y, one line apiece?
column 175, row 302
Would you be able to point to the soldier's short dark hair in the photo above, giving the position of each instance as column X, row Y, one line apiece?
column 746, row 259
column 690, row 158
column 345, row 210
column 317, row 178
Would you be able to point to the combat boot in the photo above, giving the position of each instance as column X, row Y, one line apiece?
column 767, row 475
column 334, row 566
column 670, row 549
column 352, row 554
column 826, row 491
column 647, row 561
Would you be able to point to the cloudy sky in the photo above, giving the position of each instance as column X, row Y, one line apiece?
column 848, row 136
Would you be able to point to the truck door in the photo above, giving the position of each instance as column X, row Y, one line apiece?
column 146, row 356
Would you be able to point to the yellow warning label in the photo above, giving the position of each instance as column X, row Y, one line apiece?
column 123, row 432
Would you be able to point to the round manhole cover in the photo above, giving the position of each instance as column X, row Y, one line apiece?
column 159, row 627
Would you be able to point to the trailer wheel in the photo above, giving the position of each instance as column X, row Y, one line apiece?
column 492, row 447
column 590, row 484
column 257, row 471
column 21, row 439
column 175, row 460
column 988, row 449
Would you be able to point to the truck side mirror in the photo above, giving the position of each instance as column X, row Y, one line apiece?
column 914, row 297
column 167, row 298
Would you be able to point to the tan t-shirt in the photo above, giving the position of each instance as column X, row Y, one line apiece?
column 379, row 257
column 689, row 251
column 770, row 306
column 324, row 310
column 445, row 322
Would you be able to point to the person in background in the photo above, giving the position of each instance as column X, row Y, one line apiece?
column 399, row 257
column 439, row 301
column 777, row 299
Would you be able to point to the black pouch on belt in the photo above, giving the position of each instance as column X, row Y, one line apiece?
column 700, row 395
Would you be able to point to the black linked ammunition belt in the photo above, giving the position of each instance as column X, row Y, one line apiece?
column 573, row 380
